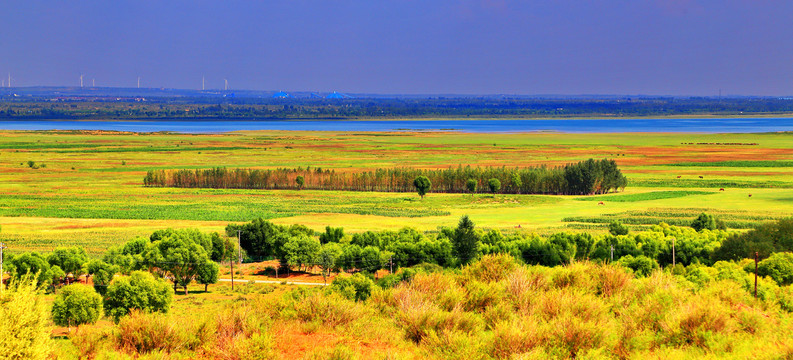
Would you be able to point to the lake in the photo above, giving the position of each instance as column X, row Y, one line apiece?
column 710, row 125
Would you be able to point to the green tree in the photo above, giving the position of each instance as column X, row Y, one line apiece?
column 617, row 228
column 465, row 240
column 471, row 185
column 57, row 277
column 779, row 266
column 300, row 181
column 71, row 260
column 76, row 305
column 34, row 264
column 422, row 185
column 704, row 221
column 301, row 250
column 140, row 290
column 208, row 274
column 177, row 257
column 370, row 259
column 102, row 273
column 328, row 257
column 494, row 185
column 517, row 183
column 331, row 235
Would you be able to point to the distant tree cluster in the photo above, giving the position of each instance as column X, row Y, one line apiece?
column 582, row 178
column 256, row 107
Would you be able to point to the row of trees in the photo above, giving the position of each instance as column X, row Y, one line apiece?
column 369, row 251
column 582, row 178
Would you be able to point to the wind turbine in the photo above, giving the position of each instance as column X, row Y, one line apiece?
column 202, row 83
column 138, row 82
column 226, row 87
column 81, row 80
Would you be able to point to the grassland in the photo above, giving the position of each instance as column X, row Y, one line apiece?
column 89, row 191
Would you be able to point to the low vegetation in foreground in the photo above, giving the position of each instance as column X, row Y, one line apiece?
column 669, row 292
column 494, row 308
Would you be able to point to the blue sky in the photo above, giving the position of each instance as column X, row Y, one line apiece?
column 678, row 47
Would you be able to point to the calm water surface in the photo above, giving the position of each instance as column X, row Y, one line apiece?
column 712, row 125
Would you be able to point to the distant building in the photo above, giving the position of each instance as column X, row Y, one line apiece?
column 281, row 95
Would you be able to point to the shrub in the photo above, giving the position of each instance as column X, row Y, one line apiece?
column 641, row 265
column 357, row 287
column 491, row 268
column 76, row 305
column 779, row 266
column 617, row 228
column 141, row 333
column 139, row 291
column 24, row 330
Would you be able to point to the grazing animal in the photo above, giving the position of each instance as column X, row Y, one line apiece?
column 701, row 177
column 750, row 195
column 678, row 176
column 722, row 189
column 601, row 203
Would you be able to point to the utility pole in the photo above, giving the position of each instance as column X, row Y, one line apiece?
column 755, row 274
column 231, row 264
column 673, row 252
column 2, row 246
column 612, row 253
column 391, row 264
column 239, row 247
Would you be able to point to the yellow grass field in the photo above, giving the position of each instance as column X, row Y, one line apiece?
column 63, row 188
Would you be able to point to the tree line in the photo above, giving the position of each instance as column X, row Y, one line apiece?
column 255, row 108
column 582, row 178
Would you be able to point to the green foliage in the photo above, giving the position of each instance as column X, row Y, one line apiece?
column 301, row 251
column 356, row 287
column 641, row 265
column 471, row 185
column 779, row 266
column 465, row 240
column 71, row 260
column 57, row 276
column 422, row 185
column 178, row 254
column 76, row 305
column 300, row 181
column 24, row 322
column 617, row 228
column 328, row 258
column 139, row 290
column 102, row 273
column 707, row 221
column 765, row 239
column 32, row 264
column 585, row 177
column 207, row 274
column 494, row 185
column 370, row 259
column 331, row 235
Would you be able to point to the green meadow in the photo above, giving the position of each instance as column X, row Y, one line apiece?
column 64, row 188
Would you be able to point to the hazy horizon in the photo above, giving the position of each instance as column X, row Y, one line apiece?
column 444, row 47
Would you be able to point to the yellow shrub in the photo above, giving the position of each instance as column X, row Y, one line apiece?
column 24, row 330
